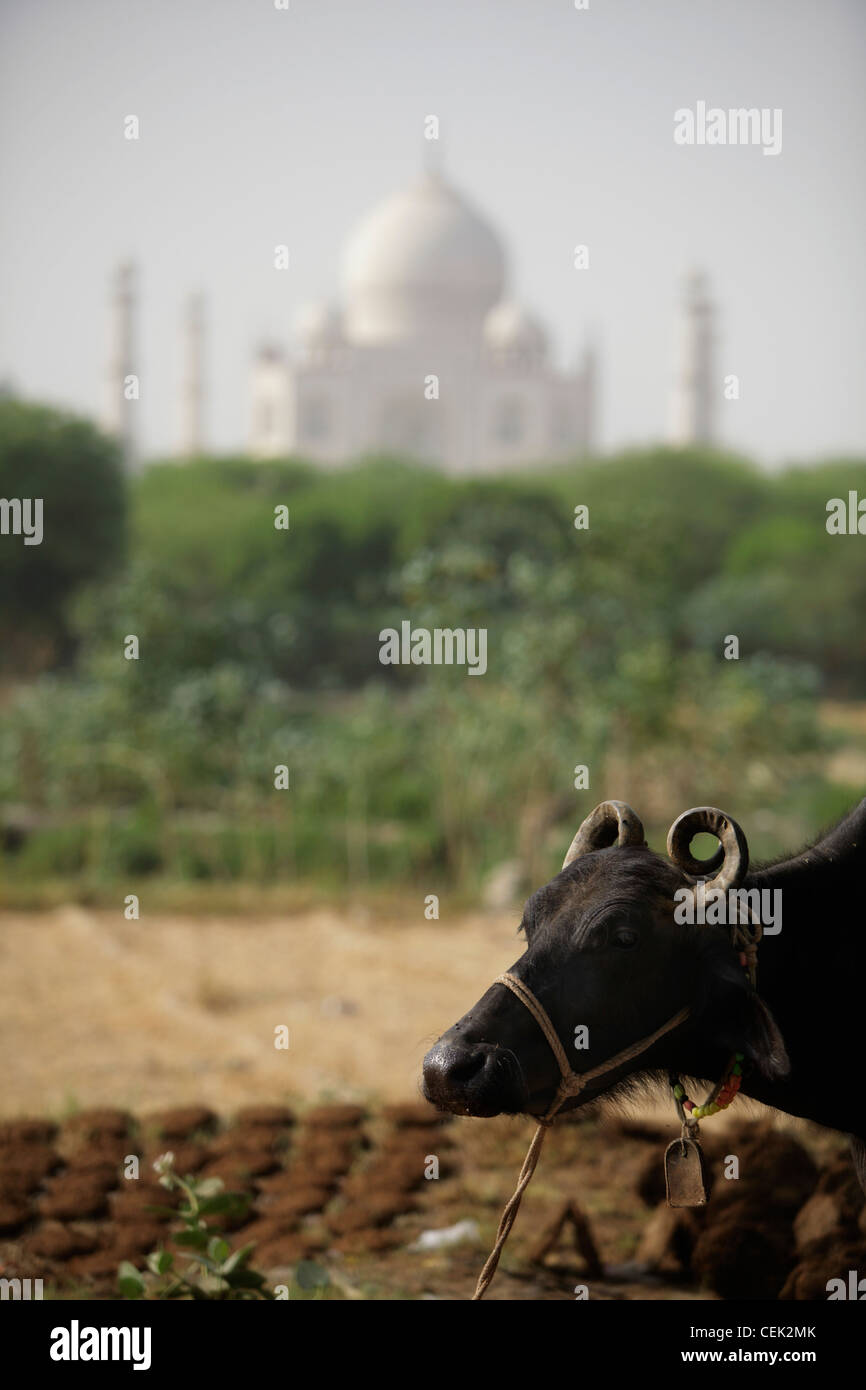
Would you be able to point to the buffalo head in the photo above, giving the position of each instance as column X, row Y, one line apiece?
column 610, row 960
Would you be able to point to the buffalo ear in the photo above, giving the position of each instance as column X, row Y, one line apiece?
column 761, row 1041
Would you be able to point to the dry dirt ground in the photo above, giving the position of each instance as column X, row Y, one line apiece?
column 97, row 1010
column 168, row 1011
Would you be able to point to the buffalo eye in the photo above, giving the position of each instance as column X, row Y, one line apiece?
column 625, row 938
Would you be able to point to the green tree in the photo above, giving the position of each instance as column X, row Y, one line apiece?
column 76, row 472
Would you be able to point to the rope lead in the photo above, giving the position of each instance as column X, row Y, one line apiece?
column 572, row 1084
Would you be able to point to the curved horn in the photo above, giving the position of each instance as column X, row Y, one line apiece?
column 611, row 823
column 730, row 863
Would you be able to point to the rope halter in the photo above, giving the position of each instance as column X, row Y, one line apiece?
column 571, row 1084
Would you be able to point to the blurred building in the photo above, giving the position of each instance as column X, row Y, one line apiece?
column 427, row 357
column 691, row 418
column 192, row 398
column 122, row 387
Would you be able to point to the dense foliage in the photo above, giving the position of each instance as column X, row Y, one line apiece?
column 75, row 472
column 259, row 646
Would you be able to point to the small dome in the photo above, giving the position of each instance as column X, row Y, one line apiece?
column 511, row 332
column 269, row 352
column 319, row 328
column 423, row 261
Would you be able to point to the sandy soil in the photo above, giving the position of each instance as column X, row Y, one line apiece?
column 98, row 1010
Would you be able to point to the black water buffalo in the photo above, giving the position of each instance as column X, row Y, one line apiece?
column 608, row 951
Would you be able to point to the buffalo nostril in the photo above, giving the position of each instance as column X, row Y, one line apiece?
column 473, row 1079
column 466, row 1066
column 447, row 1067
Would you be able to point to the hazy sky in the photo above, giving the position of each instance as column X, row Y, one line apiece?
column 260, row 126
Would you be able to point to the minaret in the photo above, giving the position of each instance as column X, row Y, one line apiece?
column 692, row 404
column 123, row 401
column 192, row 398
column 590, row 394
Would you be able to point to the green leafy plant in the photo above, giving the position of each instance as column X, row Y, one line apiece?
column 210, row 1268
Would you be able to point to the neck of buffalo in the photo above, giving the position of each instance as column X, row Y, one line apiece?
column 811, row 976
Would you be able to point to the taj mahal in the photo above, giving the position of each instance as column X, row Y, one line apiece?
column 427, row 356
column 424, row 284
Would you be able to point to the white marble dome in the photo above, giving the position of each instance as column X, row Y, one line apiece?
column 512, row 332
column 423, row 263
